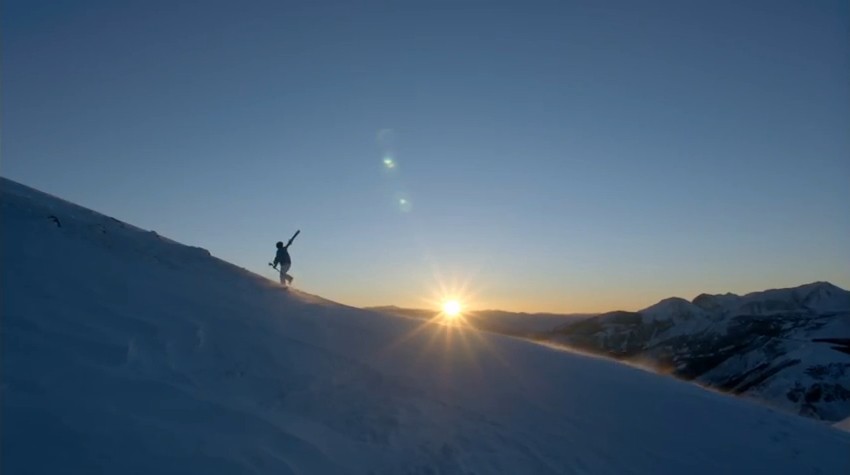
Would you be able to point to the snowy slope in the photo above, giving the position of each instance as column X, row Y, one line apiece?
column 764, row 345
column 124, row 352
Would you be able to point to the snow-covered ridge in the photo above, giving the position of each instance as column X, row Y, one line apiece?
column 124, row 352
column 816, row 297
column 778, row 345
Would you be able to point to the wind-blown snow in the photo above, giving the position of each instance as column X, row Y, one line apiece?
column 124, row 352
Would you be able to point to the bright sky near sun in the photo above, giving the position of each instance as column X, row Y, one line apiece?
column 564, row 156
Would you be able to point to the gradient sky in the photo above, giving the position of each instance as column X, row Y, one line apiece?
column 554, row 156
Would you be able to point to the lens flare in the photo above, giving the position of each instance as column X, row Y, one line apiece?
column 405, row 205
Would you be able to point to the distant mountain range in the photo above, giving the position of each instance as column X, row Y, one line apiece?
column 525, row 325
column 787, row 347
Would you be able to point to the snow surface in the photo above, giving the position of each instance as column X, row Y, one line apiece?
column 125, row 352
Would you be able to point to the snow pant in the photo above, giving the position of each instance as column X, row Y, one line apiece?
column 284, row 277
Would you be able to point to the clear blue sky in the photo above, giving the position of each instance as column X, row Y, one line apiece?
column 561, row 156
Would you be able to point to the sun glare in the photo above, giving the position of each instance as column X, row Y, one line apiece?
column 451, row 308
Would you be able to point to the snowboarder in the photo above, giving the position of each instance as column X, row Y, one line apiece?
column 282, row 258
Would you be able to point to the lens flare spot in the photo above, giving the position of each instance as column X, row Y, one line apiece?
column 389, row 163
column 405, row 205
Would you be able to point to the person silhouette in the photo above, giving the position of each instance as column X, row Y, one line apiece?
column 282, row 258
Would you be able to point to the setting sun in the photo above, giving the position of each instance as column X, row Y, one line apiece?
column 451, row 308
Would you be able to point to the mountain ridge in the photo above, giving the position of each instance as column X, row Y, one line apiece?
column 771, row 345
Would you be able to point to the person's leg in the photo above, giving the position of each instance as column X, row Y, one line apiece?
column 283, row 269
column 284, row 277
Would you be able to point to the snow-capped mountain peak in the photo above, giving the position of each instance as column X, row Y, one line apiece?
column 824, row 297
column 816, row 297
column 675, row 308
